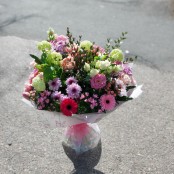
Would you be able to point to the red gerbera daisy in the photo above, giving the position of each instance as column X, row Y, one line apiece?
column 68, row 107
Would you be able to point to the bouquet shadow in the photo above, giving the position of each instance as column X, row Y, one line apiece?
column 84, row 163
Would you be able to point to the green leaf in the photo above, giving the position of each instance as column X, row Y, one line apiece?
column 124, row 98
column 43, row 57
column 37, row 60
column 59, row 72
column 48, row 73
column 130, row 87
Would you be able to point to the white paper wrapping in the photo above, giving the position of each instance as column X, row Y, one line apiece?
column 57, row 119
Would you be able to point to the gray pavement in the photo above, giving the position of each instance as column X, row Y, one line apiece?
column 150, row 23
column 138, row 138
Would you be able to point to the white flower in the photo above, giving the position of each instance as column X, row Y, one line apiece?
column 105, row 64
column 123, row 92
column 126, row 79
column 98, row 64
column 86, row 67
column 93, row 72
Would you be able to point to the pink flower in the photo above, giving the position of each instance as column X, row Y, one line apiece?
column 40, row 100
column 32, row 75
column 28, row 87
column 100, row 49
column 59, row 44
column 63, row 97
column 62, row 38
column 100, row 111
column 68, row 63
column 133, row 81
column 54, row 84
column 87, row 94
column 56, row 95
column 40, row 107
column 82, row 96
column 73, row 90
column 92, row 102
column 107, row 102
column 26, row 95
column 98, row 81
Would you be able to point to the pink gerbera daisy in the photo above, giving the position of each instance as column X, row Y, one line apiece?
column 107, row 102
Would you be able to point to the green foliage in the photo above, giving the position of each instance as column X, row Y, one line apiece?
column 130, row 87
column 131, row 59
column 115, row 43
column 37, row 60
column 43, row 57
column 48, row 72
column 83, row 107
column 124, row 98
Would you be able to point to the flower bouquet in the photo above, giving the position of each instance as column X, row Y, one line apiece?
column 78, row 83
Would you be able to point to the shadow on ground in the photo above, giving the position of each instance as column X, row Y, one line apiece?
column 85, row 162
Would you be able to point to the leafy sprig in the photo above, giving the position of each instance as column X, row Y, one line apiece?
column 115, row 43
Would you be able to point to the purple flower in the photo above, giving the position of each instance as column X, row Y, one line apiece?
column 93, row 102
column 70, row 81
column 73, row 90
column 60, row 43
column 56, row 95
column 54, row 84
column 62, row 38
column 63, row 97
column 127, row 69
column 40, row 100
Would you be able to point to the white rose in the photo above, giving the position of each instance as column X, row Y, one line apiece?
column 105, row 64
column 93, row 72
column 86, row 67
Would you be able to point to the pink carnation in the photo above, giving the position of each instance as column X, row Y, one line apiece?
column 98, row 81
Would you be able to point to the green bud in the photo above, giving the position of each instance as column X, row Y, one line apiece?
column 51, row 35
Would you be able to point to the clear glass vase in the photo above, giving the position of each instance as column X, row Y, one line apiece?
column 82, row 145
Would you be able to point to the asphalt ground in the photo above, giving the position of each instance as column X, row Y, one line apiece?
column 150, row 23
column 138, row 138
